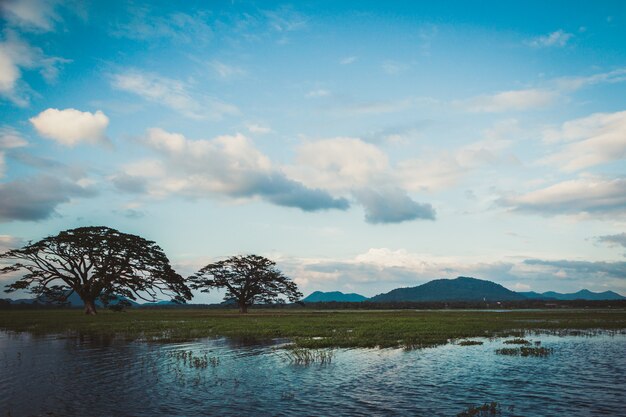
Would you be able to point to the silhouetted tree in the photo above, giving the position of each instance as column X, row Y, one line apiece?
column 248, row 280
column 96, row 263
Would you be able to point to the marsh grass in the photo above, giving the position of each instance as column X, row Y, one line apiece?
column 306, row 357
column 517, row 341
column 314, row 329
column 487, row 409
column 469, row 343
column 287, row 396
column 191, row 360
column 535, row 351
column 526, row 351
column 508, row 351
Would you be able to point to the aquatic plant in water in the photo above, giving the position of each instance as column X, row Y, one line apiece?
column 302, row 356
column 194, row 361
column 469, row 343
column 517, row 341
column 487, row 409
column 525, row 351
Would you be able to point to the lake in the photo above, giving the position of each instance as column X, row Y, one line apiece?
column 81, row 376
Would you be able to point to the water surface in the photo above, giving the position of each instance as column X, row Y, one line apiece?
column 73, row 376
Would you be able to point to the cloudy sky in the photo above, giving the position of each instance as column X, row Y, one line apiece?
column 362, row 147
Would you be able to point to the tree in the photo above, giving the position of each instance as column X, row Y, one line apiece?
column 248, row 280
column 96, row 263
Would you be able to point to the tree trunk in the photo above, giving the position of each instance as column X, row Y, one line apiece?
column 243, row 307
column 90, row 307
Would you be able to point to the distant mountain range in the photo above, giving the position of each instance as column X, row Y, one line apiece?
column 321, row 297
column 459, row 289
column 74, row 300
column 580, row 295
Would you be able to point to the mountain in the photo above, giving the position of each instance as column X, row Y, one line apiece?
column 459, row 289
column 321, row 297
column 20, row 300
column 160, row 303
column 580, row 295
column 74, row 300
column 532, row 295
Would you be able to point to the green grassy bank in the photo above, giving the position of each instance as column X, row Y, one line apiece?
column 405, row 328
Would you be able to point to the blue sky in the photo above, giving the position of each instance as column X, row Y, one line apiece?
column 363, row 147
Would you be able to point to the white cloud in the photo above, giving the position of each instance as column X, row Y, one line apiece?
column 285, row 19
column 515, row 100
column 585, row 195
column 17, row 55
column 444, row 168
column 391, row 205
column 36, row 198
column 317, row 93
column 8, row 242
column 382, row 106
column 348, row 60
column 172, row 93
column 613, row 240
column 38, row 15
column 11, row 138
column 534, row 98
column 258, row 129
column 589, row 141
column 70, row 127
column 177, row 27
column 348, row 164
column 394, row 67
column 383, row 269
column 558, row 38
column 228, row 166
column 388, row 258
column 518, row 286
column 575, row 83
column 226, row 71
column 339, row 164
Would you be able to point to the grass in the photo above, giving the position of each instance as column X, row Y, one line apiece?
column 194, row 361
column 525, row 351
column 508, row 351
column 314, row 329
column 303, row 356
column 469, row 343
column 487, row 409
column 517, row 341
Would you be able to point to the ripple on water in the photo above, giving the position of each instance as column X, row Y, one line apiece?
column 81, row 376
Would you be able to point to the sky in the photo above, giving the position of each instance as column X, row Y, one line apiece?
column 363, row 146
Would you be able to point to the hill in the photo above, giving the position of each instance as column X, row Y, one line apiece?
column 459, row 289
column 321, row 297
column 73, row 300
column 532, row 295
column 580, row 295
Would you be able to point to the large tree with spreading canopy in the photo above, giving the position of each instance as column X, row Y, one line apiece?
column 248, row 280
column 97, row 263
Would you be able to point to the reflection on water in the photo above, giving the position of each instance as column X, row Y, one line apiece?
column 52, row 376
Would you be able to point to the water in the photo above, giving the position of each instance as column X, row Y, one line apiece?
column 54, row 376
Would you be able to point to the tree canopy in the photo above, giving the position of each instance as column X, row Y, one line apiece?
column 248, row 280
column 96, row 263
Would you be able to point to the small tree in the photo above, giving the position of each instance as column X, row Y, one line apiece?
column 248, row 280
column 96, row 263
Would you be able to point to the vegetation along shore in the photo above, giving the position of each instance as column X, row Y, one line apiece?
column 314, row 329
